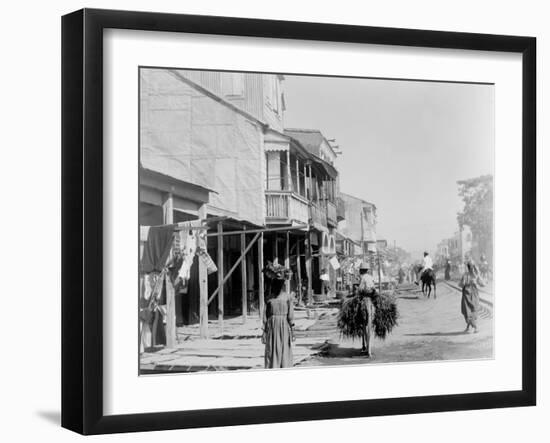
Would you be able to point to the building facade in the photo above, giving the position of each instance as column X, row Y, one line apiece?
column 214, row 145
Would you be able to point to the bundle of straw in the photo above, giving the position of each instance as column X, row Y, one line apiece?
column 354, row 314
column 385, row 315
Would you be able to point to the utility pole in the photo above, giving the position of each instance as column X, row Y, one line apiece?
column 379, row 273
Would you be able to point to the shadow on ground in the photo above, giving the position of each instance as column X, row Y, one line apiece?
column 53, row 417
column 437, row 334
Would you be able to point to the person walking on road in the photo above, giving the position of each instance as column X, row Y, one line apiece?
column 470, row 295
column 447, row 269
column 278, row 320
column 325, row 282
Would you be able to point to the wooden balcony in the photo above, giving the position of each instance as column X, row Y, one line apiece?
column 284, row 207
column 318, row 215
column 332, row 220
column 340, row 209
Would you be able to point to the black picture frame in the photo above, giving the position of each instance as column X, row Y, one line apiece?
column 82, row 218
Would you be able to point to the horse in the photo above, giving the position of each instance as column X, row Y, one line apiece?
column 428, row 280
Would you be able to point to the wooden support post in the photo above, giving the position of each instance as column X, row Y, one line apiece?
column 317, row 190
column 379, row 271
column 298, row 270
column 287, row 260
column 309, row 296
column 305, row 182
column 170, row 313
column 243, row 277
column 220, row 277
column 310, row 183
column 297, row 176
column 289, row 176
column 261, row 301
column 168, row 209
column 276, row 247
column 203, row 306
column 168, row 219
column 203, row 286
column 363, row 238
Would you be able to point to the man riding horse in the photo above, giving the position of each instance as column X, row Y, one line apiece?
column 427, row 274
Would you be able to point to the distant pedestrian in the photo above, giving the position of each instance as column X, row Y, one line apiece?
column 278, row 320
column 325, row 282
column 470, row 295
column 400, row 275
column 447, row 269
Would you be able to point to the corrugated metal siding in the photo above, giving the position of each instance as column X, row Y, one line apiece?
column 253, row 100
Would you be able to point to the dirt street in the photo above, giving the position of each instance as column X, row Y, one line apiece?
column 428, row 330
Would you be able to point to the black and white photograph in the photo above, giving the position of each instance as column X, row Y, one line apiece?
column 298, row 221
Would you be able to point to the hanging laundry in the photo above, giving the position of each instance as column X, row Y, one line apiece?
column 157, row 247
column 146, row 287
column 201, row 240
column 207, row 260
column 188, row 245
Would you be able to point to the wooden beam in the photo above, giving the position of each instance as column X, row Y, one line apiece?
column 243, row 278
column 203, row 287
column 255, row 231
column 233, row 268
column 220, row 278
column 170, row 312
column 261, row 301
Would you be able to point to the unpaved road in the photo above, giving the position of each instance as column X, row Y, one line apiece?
column 428, row 330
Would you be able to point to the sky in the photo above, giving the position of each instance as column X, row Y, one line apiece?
column 405, row 144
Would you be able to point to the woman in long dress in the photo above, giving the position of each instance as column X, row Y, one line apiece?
column 278, row 321
column 470, row 295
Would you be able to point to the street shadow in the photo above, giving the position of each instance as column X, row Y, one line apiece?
column 409, row 297
column 53, row 417
column 337, row 351
column 437, row 334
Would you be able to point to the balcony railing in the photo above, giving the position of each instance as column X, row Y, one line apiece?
column 285, row 206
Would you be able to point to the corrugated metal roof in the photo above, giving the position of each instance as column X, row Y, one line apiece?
column 311, row 139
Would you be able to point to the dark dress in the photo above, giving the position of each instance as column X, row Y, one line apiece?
column 448, row 270
column 278, row 321
column 470, row 298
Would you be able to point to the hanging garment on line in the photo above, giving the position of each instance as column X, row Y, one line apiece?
column 207, row 260
column 188, row 249
column 157, row 247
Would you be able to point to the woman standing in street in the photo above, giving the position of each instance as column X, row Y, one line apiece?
column 470, row 295
column 447, row 269
column 278, row 320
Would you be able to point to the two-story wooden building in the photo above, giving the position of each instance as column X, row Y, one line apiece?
column 214, row 144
